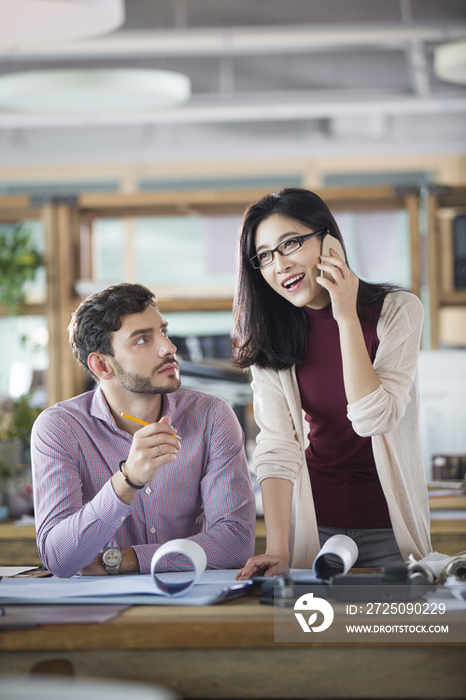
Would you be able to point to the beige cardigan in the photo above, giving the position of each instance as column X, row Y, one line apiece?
column 389, row 415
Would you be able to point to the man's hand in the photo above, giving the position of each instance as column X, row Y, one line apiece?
column 129, row 564
column 153, row 446
column 94, row 569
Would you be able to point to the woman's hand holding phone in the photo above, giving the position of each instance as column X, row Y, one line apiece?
column 337, row 279
column 328, row 246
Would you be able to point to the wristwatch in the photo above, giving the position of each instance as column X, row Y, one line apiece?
column 112, row 560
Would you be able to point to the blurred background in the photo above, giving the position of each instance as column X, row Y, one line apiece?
column 133, row 136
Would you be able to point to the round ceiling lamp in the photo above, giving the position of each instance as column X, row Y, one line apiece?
column 25, row 24
column 93, row 90
column 450, row 62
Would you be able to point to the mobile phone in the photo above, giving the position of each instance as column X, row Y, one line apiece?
column 328, row 242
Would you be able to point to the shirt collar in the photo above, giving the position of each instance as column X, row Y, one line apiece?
column 100, row 408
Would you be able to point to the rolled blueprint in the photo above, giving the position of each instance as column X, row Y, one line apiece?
column 456, row 567
column 189, row 549
column 337, row 556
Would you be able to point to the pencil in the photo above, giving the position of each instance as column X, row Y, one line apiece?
column 143, row 422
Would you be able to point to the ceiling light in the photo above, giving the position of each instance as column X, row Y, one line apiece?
column 450, row 62
column 93, row 90
column 28, row 23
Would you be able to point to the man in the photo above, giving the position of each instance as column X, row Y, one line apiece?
column 109, row 492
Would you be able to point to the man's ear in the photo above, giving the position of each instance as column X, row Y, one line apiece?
column 99, row 365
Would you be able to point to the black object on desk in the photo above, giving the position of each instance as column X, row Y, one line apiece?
column 396, row 582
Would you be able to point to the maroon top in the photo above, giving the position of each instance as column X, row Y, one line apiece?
column 345, row 485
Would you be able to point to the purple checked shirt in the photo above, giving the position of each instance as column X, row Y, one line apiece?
column 205, row 495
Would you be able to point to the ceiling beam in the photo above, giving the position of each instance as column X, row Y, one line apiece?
column 245, row 41
column 281, row 107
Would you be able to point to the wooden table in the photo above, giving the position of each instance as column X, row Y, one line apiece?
column 18, row 545
column 227, row 651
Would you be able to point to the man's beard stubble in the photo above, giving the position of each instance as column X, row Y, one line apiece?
column 138, row 384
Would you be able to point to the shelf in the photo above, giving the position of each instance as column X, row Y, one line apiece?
column 456, row 298
column 448, row 502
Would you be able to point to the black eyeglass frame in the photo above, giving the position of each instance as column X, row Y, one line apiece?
column 300, row 239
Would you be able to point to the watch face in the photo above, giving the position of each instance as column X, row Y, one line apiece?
column 112, row 557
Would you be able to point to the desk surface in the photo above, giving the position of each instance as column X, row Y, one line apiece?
column 243, row 623
column 227, row 650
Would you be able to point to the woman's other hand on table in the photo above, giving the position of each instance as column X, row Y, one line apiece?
column 264, row 565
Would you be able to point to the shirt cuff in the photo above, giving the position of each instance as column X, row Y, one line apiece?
column 108, row 507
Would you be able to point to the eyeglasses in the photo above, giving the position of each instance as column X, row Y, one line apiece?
column 291, row 245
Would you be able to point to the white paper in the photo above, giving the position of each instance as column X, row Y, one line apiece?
column 62, row 588
column 340, row 546
column 137, row 589
column 441, row 566
column 15, row 570
column 110, row 588
column 223, row 577
column 189, row 549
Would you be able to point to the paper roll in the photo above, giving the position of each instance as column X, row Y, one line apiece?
column 337, row 556
column 189, row 549
column 456, row 567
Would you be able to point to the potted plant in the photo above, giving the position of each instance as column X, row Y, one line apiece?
column 19, row 260
column 17, row 417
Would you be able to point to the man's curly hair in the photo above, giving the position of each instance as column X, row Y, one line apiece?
column 98, row 316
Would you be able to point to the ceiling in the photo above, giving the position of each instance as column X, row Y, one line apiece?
column 270, row 79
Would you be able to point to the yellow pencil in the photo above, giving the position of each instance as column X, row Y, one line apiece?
column 142, row 422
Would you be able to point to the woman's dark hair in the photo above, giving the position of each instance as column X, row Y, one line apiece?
column 268, row 330
column 98, row 316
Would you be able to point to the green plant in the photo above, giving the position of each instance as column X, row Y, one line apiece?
column 17, row 417
column 5, row 472
column 19, row 260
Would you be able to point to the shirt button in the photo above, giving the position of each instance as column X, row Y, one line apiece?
column 148, row 490
column 122, row 518
column 152, row 530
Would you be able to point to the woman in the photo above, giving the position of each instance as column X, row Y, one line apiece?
column 340, row 353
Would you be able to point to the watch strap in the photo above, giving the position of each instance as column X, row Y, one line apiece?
column 113, row 570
